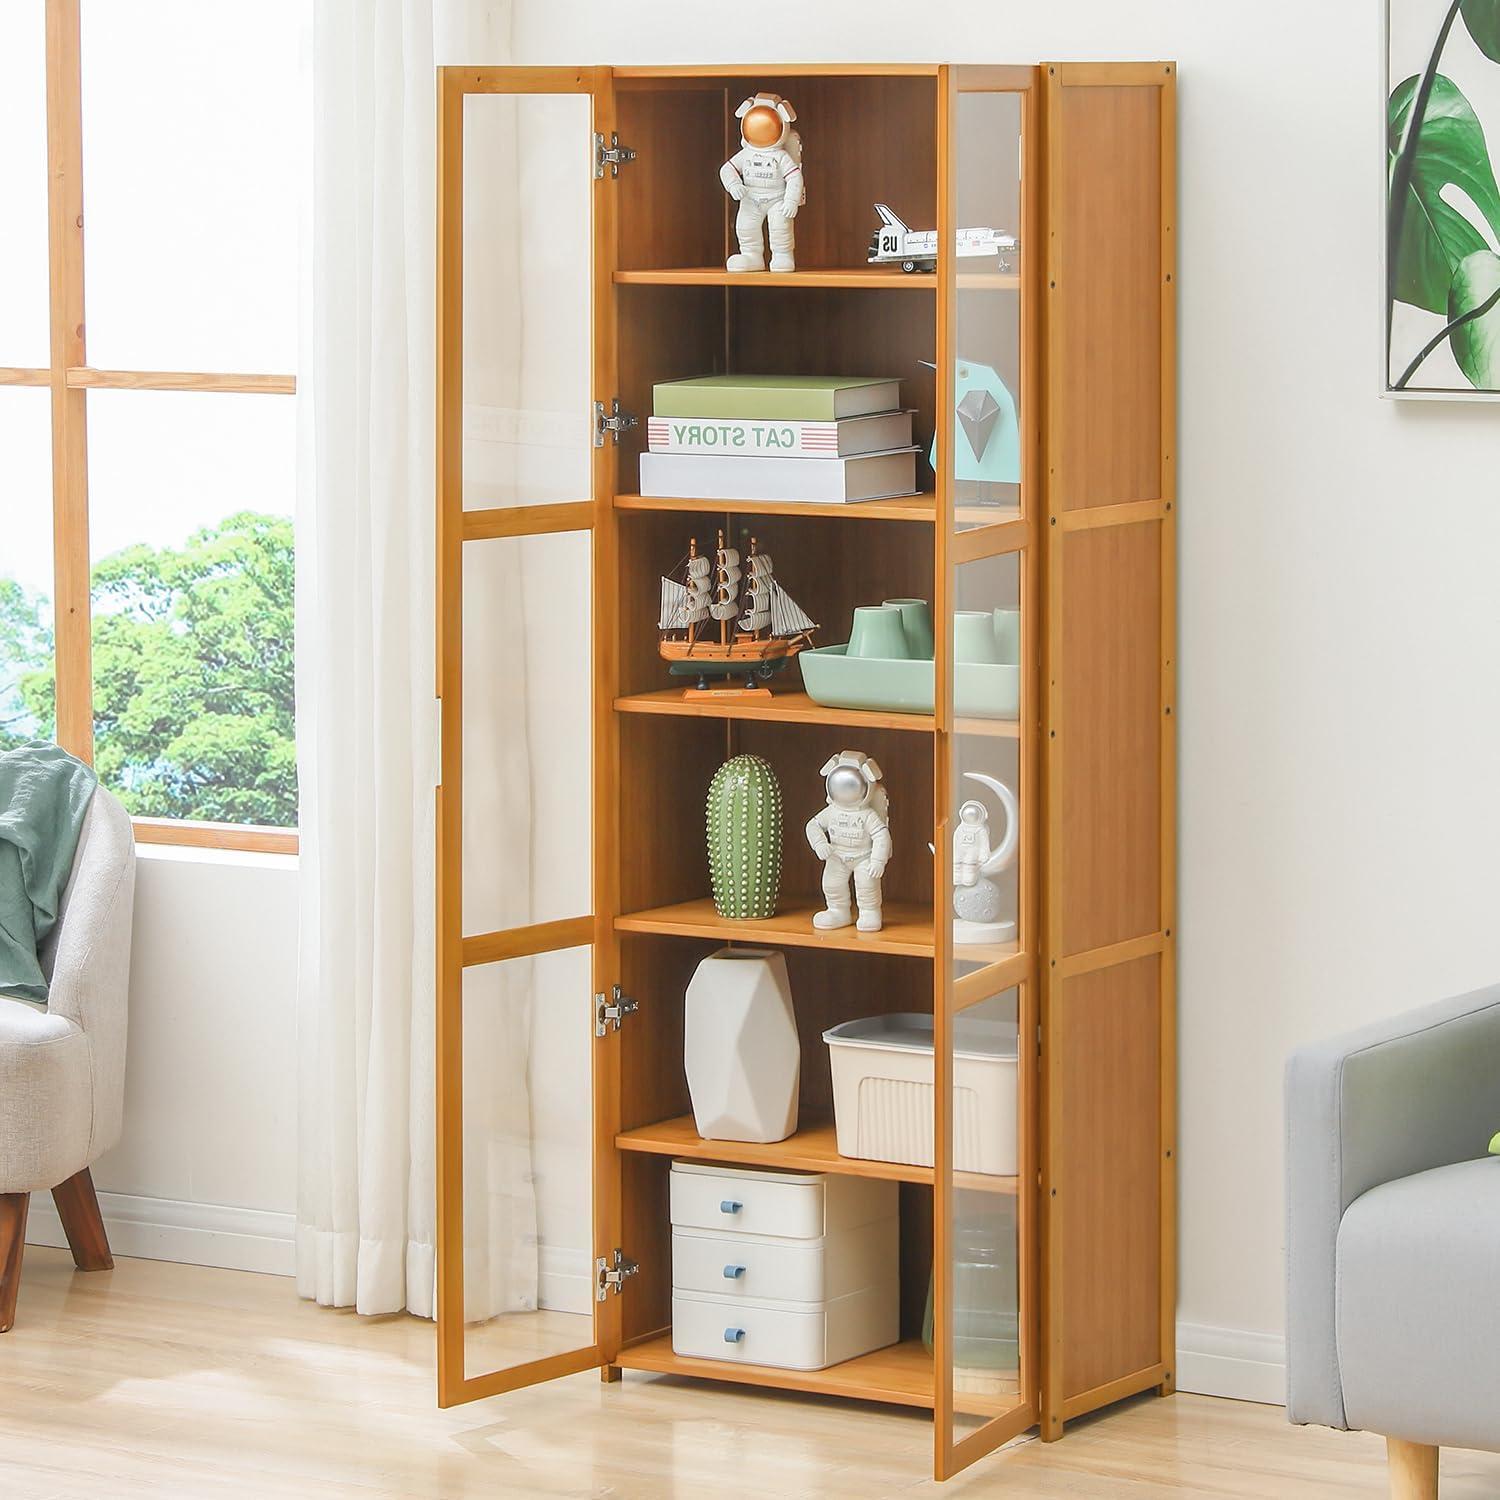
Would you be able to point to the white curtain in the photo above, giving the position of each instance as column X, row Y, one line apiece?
column 366, row 711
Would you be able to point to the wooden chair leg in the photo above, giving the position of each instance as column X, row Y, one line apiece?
column 78, row 1208
column 13, row 1208
column 1414, row 1470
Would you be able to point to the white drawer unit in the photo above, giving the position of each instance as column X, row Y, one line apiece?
column 789, row 1205
column 794, row 1270
column 785, row 1270
column 789, row 1336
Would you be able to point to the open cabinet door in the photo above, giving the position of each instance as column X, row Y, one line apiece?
column 985, row 1008
column 524, row 473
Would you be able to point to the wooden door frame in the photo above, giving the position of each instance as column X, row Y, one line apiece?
column 952, row 549
column 455, row 527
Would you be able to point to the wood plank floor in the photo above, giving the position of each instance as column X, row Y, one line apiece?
column 182, row 1383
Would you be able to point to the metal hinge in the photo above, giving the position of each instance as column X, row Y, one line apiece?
column 611, row 1010
column 609, row 156
column 612, row 1277
column 615, row 421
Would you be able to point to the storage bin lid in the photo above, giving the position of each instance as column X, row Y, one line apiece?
column 911, row 1031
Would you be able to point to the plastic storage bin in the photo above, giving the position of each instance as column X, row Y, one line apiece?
column 883, row 1092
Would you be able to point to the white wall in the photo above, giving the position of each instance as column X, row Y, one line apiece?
column 206, row 1168
column 1339, row 699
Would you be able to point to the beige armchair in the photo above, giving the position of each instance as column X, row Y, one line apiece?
column 62, row 1069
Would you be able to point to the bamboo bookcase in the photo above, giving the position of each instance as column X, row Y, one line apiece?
column 1092, row 543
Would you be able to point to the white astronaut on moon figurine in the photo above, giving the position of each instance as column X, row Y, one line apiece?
column 976, row 898
column 765, row 178
column 852, row 836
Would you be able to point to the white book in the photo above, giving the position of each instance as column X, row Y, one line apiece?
column 836, row 481
column 755, row 438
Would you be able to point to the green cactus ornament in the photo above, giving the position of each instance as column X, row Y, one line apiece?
column 744, row 838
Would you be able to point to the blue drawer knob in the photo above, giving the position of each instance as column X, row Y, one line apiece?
column 733, row 1335
column 729, row 1206
column 732, row 1273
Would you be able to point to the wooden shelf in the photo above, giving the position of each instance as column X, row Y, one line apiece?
column 795, row 707
column 989, row 281
column 900, row 1375
column 786, row 707
column 850, row 276
column 902, row 508
column 814, row 1148
column 907, row 930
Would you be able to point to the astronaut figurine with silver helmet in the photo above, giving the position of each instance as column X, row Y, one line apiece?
column 852, row 837
column 765, row 178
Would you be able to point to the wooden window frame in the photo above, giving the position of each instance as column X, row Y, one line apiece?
column 69, row 376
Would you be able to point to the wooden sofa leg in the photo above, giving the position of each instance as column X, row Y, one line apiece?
column 1414, row 1469
column 78, row 1208
column 13, row 1208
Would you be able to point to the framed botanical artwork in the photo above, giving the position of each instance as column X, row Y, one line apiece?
column 1442, row 208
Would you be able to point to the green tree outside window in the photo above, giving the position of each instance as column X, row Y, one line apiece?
column 194, row 704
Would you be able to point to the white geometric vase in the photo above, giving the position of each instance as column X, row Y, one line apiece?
column 740, row 1046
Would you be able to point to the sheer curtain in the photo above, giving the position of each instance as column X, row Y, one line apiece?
column 366, row 712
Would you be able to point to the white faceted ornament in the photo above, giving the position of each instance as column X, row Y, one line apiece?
column 740, row 1046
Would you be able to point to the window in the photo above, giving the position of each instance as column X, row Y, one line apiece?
column 147, row 422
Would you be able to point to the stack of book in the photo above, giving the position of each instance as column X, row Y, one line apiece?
column 821, row 438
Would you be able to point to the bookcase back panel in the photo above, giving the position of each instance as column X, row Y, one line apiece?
column 665, row 333
column 673, row 208
column 828, row 565
column 865, row 140
column 842, row 331
column 797, row 754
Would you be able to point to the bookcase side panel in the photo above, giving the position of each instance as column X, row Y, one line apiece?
column 1108, row 1006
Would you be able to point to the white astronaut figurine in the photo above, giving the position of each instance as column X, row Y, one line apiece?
column 765, row 178
column 851, row 836
column 971, row 843
column 977, row 902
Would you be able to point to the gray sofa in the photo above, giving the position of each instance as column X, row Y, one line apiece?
column 1393, row 1234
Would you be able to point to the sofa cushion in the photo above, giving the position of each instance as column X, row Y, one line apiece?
column 46, row 1099
column 1419, row 1306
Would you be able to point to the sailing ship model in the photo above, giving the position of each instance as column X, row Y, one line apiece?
column 722, row 617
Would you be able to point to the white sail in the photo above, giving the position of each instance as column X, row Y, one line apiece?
column 682, row 606
column 787, row 617
column 757, row 601
column 674, row 605
column 699, row 567
column 729, row 557
column 759, row 564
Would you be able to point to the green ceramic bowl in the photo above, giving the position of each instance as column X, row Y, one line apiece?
column 981, row 690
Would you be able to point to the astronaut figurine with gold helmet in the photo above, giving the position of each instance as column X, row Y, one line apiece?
column 852, row 836
column 765, row 178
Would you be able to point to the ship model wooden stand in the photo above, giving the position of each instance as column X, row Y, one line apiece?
column 722, row 619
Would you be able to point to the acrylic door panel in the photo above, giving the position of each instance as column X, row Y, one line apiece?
column 524, row 1081
column 985, row 806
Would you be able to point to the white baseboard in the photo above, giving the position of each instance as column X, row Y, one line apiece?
column 199, row 1234
column 1231, row 1362
column 565, row 1279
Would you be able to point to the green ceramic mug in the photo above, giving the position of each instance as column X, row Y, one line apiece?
column 1008, row 635
column 974, row 636
column 876, row 632
column 916, row 622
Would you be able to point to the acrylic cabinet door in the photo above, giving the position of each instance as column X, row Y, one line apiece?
column 986, row 812
column 524, row 1077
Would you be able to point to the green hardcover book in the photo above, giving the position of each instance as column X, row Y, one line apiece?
column 776, row 398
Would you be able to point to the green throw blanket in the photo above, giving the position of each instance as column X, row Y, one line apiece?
column 44, row 797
